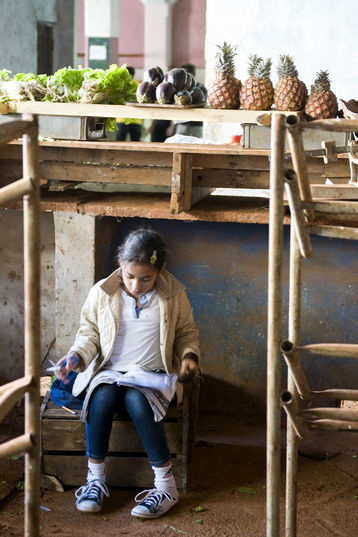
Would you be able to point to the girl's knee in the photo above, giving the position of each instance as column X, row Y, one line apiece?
column 136, row 403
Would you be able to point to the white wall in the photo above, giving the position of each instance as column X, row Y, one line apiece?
column 319, row 34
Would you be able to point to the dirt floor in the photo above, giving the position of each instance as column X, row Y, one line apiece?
column 226, row 490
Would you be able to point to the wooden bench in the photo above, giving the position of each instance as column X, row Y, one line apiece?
column 63, row 449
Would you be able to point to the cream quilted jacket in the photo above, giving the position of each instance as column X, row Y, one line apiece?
column 100, row 320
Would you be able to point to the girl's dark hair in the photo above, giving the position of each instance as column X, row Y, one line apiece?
column 145, row 246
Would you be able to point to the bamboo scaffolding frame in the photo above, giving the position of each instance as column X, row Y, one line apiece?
column 31, row 207
column 348, row 414
column 290, row 405
column 338, row 125
column 295, row 139
column 334, row 207
column 291, row 355
column 9, row 130
column 294, row 329
column 10, row 396
column 297, row 214
column 335, row 232
column 17, row 446
column 338, row 394
column 335, row 425
column 343, row 350
column 16, row 190
column 274, row 325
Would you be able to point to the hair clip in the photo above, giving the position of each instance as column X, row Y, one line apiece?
column 153, row 257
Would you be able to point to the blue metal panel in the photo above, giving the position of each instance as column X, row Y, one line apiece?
column 224, row 267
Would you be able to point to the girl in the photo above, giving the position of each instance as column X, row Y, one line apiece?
column 139, row 316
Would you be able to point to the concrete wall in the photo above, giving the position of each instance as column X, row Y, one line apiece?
column 12, row 293
column 319, row 34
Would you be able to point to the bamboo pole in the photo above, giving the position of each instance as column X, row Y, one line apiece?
column 32, row 327
column 291, row 355
column 338, row 394
column 335, row 425
column 342, row 350
column 290, row 405
column 338, row 125
column 297, row 214
column 336, row 232
column 294, row 329
column 13, row 129
column 295, row 139
column 334, row 207
column 16, row 190
column 15, row 392
column 274, row 325
column 17, row 446
column 348, row 414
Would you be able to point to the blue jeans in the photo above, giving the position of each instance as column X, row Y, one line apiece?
column 106, row 400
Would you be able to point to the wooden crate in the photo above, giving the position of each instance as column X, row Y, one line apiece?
column 63, row 452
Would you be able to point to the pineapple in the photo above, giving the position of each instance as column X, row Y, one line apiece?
column 257, row 92
column 290, row 92
column 322, row 103
column 224, row 89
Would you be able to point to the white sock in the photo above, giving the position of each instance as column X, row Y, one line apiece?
column 96, row 471
column 164, row 479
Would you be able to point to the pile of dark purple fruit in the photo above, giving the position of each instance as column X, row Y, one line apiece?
column 177, row 86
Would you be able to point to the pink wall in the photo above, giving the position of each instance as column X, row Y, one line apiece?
column 131, row 33
column 188, row 32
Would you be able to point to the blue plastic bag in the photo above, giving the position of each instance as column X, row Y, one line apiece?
column 61, row 393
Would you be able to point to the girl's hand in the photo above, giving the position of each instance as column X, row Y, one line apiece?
column 65, row 365
column 188, row 370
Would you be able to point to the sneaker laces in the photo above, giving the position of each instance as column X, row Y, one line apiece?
column 92, row 490
column 153, row 498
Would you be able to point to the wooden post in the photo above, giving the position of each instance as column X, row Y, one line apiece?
column 32, row 328
column 181, row 183
column 291, row 407
column 274, row 326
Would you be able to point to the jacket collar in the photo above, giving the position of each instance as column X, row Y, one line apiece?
column 166, row 283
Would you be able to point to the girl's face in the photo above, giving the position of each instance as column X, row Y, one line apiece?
column 139, row 279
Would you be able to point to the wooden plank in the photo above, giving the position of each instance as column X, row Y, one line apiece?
column 70, row 435
column 105, row 174
column 120, row 471
column 128, row 111
column 181, row 183
column 348, row 192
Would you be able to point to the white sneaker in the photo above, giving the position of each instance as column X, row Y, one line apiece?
column 155, row 504
column 90, row 496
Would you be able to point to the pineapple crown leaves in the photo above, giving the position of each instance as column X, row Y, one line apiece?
column 259, row 68
column 322, row 82
column 225, row 58
column 286, row 68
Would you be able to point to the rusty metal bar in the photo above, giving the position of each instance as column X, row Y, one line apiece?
column 32, row 326
column 17, row 446
column 16, row 190
column 294, row 329
column 337, row 232
column 297, row 214
column 342, row 350
column 291, row 407
column 291, row 355
column 13, row 129
column 274, row 326
column 295, row 139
